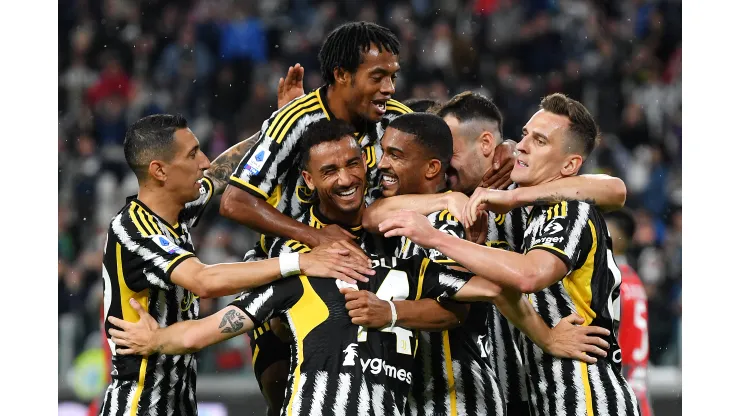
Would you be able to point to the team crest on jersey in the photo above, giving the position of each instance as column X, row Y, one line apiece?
column 257, row 161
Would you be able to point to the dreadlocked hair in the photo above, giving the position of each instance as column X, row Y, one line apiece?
column 344, row 46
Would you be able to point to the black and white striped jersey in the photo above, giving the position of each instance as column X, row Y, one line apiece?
column 453, row 371
column 507, row 232
column 340, row 368
column 141, row 251
column 576, row 233
column 271, row 171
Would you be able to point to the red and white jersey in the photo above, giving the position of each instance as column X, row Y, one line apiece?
column 633, row 336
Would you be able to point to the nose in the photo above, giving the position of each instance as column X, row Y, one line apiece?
column 383, row 163
column 205, row 163
column 388, row 86
column 521, row 147
column 344, row 177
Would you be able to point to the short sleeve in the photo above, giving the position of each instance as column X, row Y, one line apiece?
column 564, row 232
column 266, row 164
column 271, row 300
column 146, row 260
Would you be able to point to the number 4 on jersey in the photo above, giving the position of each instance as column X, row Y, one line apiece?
column 394, row 287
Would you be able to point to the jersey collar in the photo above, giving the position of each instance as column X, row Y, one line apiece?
column 318, row 220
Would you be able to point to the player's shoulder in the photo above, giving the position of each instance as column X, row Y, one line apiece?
column 299, row 112
column 443, row 217
column 396, row 108
column 133, row 221
column 565, row 209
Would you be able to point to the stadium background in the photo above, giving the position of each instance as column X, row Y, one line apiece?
column 218, row 63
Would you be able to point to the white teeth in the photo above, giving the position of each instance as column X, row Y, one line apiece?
column 389, row 179
column 348, row 192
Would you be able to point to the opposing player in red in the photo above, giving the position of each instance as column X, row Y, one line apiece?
column 633, row 328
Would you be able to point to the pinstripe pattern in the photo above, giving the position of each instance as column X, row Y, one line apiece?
column 576, row 233
column 468, row 356
column 140, row 253
column 333, row 369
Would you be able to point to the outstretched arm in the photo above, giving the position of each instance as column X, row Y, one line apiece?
column 145, row 337
column 425, row 204
column 606, row 192
column 208, row 281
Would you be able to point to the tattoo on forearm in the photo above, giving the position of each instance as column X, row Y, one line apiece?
column 225, row 164
column 232, row 322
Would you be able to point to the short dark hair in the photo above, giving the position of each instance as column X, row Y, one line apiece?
column 469, row 105
column 344, row 46
column 431, row 131
column 583, row 129
column 151, row 138
column 423, row 105
column 323, row 131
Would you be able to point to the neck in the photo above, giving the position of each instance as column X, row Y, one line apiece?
column 337, row 105
column 349, row 219
column 432, row 187
column 161, row 203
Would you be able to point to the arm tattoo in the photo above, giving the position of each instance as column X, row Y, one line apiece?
column 232, row 322
column 225, row 164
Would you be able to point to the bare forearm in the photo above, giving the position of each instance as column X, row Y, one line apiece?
column 255, row 213
column 605, row 191
column 230, row 278
column 382, row 209
column 224, row 165
column 429, row 315
column 517, row 310
column 503, row 268
column 191, row 336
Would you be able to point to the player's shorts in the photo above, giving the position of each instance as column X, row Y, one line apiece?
column 267, row 349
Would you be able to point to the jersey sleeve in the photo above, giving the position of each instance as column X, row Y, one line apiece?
column 565, row 232
column 266, row 164
column 271, row 300
column 432, row 280
column 193, row 210
column 149, row 258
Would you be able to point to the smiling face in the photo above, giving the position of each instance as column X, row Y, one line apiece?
column 369, row 88
column 545, row 151
column 404, row 164
column 336, row 170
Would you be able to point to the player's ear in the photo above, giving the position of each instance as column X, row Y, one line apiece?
column 572, row 165
column 487, row 143
column 434, row 168
column 308, row 179
column 342, row 76
column 158, row 170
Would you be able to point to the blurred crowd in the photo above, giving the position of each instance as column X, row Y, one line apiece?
column 218, row 63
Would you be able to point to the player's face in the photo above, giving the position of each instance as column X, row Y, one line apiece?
column 186, row 167
column 543, row 154
column 468, row 164
column 373, row 84
column 336, row 170
column 403, row 165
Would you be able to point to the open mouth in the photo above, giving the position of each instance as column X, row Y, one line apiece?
column 348, row 194
column 522, row 164
column 387, row 180
column 379, row 105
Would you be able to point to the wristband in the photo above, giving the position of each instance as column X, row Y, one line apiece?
column 394, row 316
column 289, row 264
